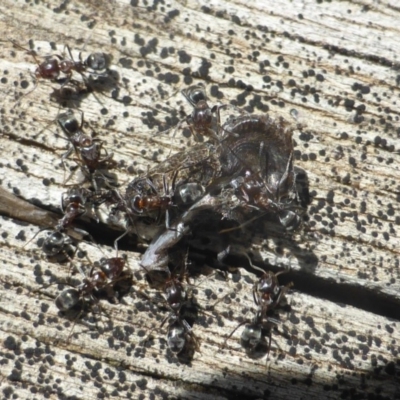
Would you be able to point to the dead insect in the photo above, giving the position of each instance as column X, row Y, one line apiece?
column 156, row 258
column 257, row 161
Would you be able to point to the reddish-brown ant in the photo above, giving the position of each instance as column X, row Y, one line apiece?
column 90, row 152
column 60, row 70
column 142, row 198
column 267, row 294
column 74, row 204
column 176, row 298
column 103, row 281
column 99, row 279
column 201, row 119
column 204, row 121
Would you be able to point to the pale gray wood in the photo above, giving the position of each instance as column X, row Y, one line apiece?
column 330, row 349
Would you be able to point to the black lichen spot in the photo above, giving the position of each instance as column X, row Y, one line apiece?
column 235, row 19
column 294, row 319
column 142, row 383
column 125, row 62
column 173, row 13
column 10, row 343
column 151, row 47
column 15, row 376
column 169, row 77
column 363, row 89
column 204, row 68
column 138, row 40
column 389, row 328
column 164, row 52
column 349, row 104
column 21, row 236
column 352, row 161
column 184, row 58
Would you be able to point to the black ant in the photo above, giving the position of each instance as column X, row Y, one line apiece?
column 201, row 119
column 100, row 279
column 204, row 121
column 53, row 67
column 176, row 298
column 267, row 294
column 103, row 281
column 142, row 197
column 57, row 245
column 89, row 150
column 74, row 204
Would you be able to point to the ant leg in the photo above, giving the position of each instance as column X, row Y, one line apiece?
column 230, row 335
column 144, row 341
column 118, row 239
column 282, row 292
column 269, row 343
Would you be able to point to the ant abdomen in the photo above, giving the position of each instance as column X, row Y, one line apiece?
column 68, row 299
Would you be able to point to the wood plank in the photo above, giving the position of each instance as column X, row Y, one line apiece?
column 332, row 66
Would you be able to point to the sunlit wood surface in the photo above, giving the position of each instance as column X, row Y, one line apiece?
column 331, row 67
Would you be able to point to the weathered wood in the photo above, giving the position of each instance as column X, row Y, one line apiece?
column 335, row 67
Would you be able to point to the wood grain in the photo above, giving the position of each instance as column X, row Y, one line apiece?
column 330, row 67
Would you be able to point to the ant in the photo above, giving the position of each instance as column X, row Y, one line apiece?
column 204, row 121
column 200, row 120
column 74, row 204
column 101, row 282
column 100, row 279
column 176, row 298
column 52, row 67
column 89, row 150
column 267, row 294
column 143, row 199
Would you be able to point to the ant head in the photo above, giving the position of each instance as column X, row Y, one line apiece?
column 196, row 95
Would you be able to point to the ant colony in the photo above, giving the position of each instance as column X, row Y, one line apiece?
column 239, row 175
